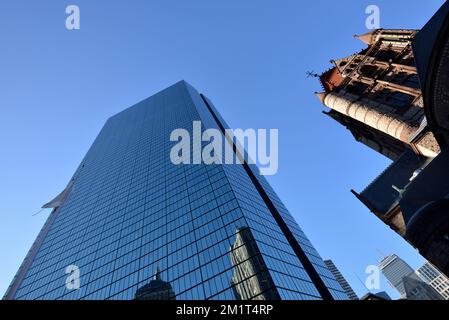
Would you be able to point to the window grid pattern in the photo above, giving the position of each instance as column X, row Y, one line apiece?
column 131, row 212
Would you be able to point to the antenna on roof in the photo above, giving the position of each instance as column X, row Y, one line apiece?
column 383, row 255
column 38, row 212
column 363, row 284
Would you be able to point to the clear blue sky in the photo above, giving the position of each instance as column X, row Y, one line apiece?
column 57, row 88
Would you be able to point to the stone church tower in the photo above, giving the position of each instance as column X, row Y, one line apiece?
column 376, row 95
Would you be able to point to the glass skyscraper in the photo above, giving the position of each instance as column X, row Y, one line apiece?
column 133, row 225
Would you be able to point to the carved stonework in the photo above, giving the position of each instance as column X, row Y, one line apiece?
column 379, row 87
column 428, row 146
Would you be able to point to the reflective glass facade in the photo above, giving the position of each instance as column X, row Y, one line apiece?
column 139, row 227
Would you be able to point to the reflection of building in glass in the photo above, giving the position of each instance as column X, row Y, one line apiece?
column 156, row 289
column 130, row 209
column 250, row 277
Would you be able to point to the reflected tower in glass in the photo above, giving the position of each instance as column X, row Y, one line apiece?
column 133, row 225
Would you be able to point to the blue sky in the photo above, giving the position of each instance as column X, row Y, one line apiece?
column 249, row 57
